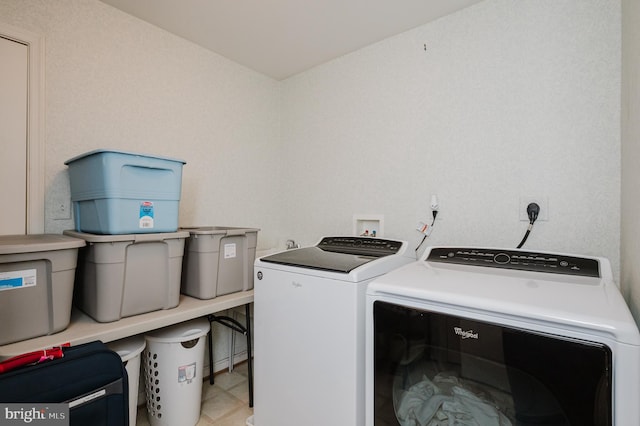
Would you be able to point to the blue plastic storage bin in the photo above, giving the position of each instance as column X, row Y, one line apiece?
column 119, row 192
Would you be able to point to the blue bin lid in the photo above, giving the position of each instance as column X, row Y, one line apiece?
column 113, row 151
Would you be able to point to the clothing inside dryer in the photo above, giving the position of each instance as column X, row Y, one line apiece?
column 434, row 369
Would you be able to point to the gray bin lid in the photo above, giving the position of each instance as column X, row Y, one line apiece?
column 218, row 230
column 97, row 238
column 15, row 244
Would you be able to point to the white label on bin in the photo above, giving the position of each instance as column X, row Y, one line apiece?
column 17, row 279
column 229, row 251
column 186, row 373
column 146, row 215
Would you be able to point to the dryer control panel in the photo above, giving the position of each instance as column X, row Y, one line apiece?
column 516, row 259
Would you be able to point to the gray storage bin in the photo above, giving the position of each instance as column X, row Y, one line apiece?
column 123, row 275
column 218, row 260
column 36, row 284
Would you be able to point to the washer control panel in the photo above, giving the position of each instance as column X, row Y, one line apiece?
column 361, row 245
column 516, row 259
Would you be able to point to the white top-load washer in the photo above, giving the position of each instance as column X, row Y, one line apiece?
column 502, row 337
column 309, row 329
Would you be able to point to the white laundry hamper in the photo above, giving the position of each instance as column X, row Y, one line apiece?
column 173, row 365
column 129, row 350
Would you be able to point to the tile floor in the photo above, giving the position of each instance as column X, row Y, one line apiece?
column 226, row 403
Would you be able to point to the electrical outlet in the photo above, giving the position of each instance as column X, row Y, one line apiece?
column 543, row 202
column 435, row 205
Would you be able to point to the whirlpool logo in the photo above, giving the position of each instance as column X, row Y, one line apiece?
column 465, row 334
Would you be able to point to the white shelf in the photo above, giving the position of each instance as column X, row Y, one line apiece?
column 83, row 329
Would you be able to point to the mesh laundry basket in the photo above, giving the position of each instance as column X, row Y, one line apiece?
column 173, row 363
column 129, row 350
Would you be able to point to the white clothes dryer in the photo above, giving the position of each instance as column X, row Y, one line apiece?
column 501, row 337
column 309, row 316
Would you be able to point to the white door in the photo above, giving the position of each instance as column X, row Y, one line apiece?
column 13, row 136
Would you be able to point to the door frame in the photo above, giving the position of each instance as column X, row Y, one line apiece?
column 35, row 124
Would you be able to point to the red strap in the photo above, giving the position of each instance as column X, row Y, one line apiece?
column 30, row 358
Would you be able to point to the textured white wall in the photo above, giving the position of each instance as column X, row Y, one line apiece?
column 113, row 81
column 510, row 99
column 630, row 230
